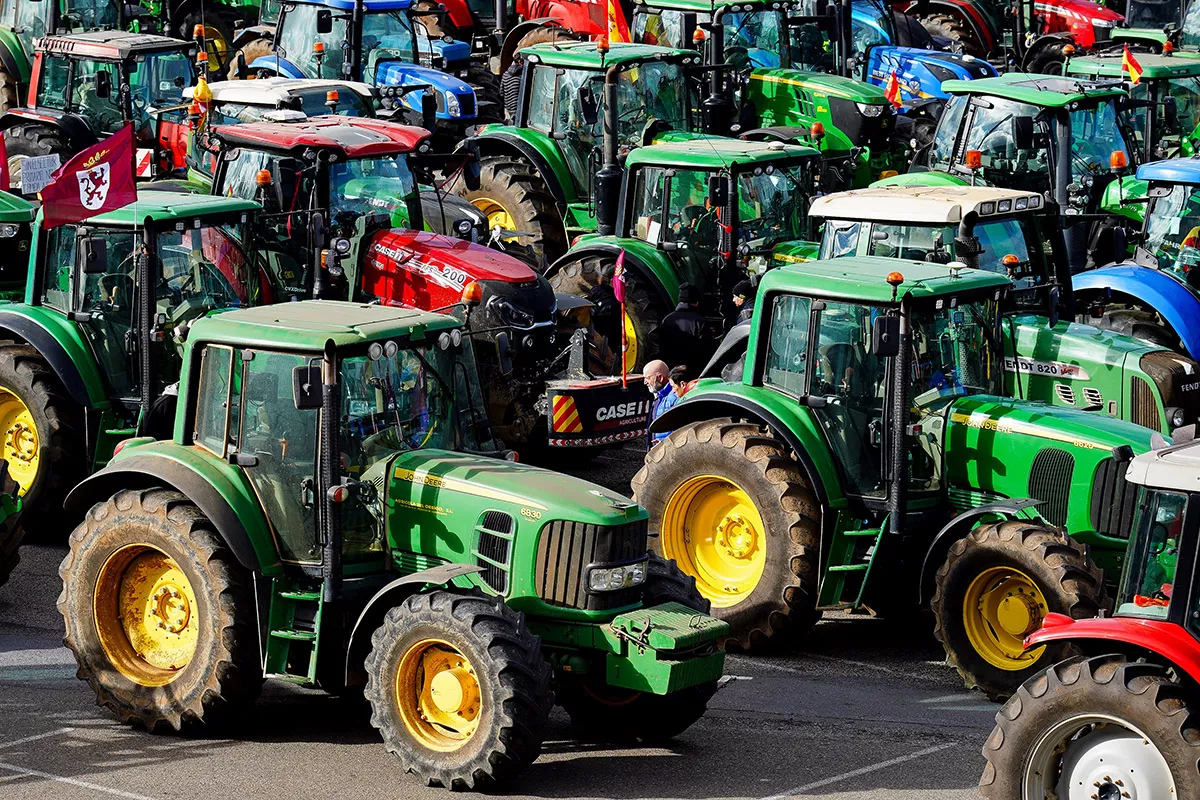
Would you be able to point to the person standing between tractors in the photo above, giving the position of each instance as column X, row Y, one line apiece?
column 743, row 300
column 656, row 377
column 683, row 336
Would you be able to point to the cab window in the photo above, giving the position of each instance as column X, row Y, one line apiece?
column 786, row 364
column 541, row 100
column 1149, row 579
column 60, row 262
column 647, row 207
column 212, row 399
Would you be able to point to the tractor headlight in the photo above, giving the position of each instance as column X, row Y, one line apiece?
column 611, row 579
column 869, row 110
column 1176, row 416
column 452, row 106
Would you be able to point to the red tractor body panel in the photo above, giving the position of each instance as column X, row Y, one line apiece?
column 1074, row 17
column 583, row 18
column 1164, row 638
column 363, row 137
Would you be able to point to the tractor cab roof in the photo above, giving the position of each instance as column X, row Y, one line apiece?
column 1172, row 170
column 1155, row 66
column 924, row 205
column 714, row 153
column 864, row 279
column 111, row 45
column 15, row 209
column 356, row 137
column 309, row 324
column 584, row 55
column 277, row 92
column 170, row 207
column 368, row 5
column 1176, row 467
column 1039, row 90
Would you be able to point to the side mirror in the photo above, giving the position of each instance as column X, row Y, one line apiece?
column 324, row 21
column 104, row 84
column 718, row 191
column 93, row 256
column 885, row 336
column 504, row 349
column 1023, row 133
column 306, row 387
column 589, row 108
column 1171, row 112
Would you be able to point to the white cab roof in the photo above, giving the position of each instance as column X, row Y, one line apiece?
column 927, row 205
column 272, row 91
column 1176, row 467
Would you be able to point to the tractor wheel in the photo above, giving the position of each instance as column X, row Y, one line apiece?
column 1047, row 60
column 24, row 141
column 43, row 440
column 515, row 197
column 995, row 587
column 218, row 38
column 734, row 510
column 1098, row 726
column 488, row 100
column 251, row 51
column 10, row 554
column 667, row 583
column 606, row 713
column 9, row 98
column 459, row 689
column 1136, row 322
column 159, row 613
column 952, row 28
column 642, row 311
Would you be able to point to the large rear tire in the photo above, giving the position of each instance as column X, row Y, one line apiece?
column 159, row 613
column 734, row 510
column 952, row 28
column 25, row 141
column 9, row 96
column 218, row 38
column 514, row 197
column 488, row 100
column 1103, row 727
column 1132, row 320
column 251, row 51
column 459, row 689
column 995, row 587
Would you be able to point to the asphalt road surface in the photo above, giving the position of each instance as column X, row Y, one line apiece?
column 860, row 710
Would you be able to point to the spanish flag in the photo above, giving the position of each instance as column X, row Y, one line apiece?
column 618, row 30
column 892, row 91
column 1129, row 64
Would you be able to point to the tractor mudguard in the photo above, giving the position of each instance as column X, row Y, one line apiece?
column 956, row 529
column 536, row 148
column 1165, row 639
column 279, row 66
column 371, row 616
column 788, row 134
column 661, row 276
column 731, row 348
column 1178, row 303
column 78, row 132
column 509, row 48
column 1041, row 43
column 58, row 341
column 233, row 509
column 1121, row 198
column 803, row 440
column 14, row 60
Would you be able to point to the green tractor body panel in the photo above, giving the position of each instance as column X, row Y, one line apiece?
column 1124, row 198
column 584, row 55
column 708, row 153
column 1155, row 66
column 864, row 280
column 540, row 143
column 793, row 252
column 166, row 206
column 930, row 178
column 16, row 237
column 652, row 259
column 10, row 42
column 69, row 337
column 15, row 209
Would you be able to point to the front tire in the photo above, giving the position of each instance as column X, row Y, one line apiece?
column 995, row 587
column 735, row 511
column 952, row 28
column 159, row 613
column 25, row 141
column 514, row 197
column 458, row 689
column 1095, row 727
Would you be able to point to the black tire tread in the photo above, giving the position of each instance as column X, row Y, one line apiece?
column 515, row 184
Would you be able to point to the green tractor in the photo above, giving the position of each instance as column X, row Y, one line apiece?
column 89, row 359
column 860, row 454
column 1048, row 357
column 709, row 212
column 330, row 513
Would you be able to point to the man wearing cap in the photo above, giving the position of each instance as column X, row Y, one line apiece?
column 683, row 336
column 743, row 299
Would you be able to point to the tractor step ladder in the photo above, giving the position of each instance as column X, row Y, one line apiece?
column 293, row 633
column 843, row 563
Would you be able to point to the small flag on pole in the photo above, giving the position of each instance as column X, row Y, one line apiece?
column 95, row 180
column 618, row 286
column 1130, row 64
column 892, row 90
column 618, row 31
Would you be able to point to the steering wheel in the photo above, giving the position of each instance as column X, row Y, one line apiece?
column 737, row 56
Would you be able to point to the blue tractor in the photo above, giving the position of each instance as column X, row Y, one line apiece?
column 383, row 43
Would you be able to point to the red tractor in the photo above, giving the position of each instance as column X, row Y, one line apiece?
column 1120, row 720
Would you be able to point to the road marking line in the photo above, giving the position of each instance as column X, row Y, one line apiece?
column 877, row 667
column 845, row 776
column 74, row 782
column 34, row 738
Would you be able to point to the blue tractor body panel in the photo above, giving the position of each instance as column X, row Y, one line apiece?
column 1176, row 302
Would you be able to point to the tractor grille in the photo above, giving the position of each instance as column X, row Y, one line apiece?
column 565, row 549
column 1113, row 499
column 1143, row 410
column 493, row 548
column 1050, row 482
column 1178, row 380
column 873, row 132
column 467, row 103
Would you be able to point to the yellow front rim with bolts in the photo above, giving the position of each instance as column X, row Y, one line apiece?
column 21, row 447
column 1002, row 606
column 438, row 695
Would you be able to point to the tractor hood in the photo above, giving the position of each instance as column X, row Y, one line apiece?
column 1028, row 424
column 921, row 72
column 450, row 53
column 455, row 98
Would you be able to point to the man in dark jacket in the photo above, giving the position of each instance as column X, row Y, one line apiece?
column 683, row 336
column 743, row 298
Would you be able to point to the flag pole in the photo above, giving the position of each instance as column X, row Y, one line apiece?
column 618, row 287
column 624, row 350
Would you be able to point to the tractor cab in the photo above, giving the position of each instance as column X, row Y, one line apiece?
column 88, row 86
column 1171, row 232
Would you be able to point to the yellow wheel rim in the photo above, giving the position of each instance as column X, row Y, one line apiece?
column 497, row 216
column 146, row 615
column 631, row 345
column 20, row 444
column 438, row 695
column 712, row 529
column 217, row 47
column 1002, row 606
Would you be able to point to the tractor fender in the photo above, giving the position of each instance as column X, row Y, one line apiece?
column 58, row 341
column 1167, row 640
column 231, row 508
column 1043, row 42
column 279, row 66
column 924, row 178
column 802, row 440
column 388, row 597
column 15, row 61
column 78, row 132
column 663, row 279
column 956, row 529
column 536, row 148
column 509, row 48
column 788, row 134
column 1176, row 302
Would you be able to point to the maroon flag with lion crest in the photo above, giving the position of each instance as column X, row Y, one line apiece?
column 94, row 181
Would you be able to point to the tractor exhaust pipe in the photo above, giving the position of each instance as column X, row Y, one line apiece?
column 608, row 179
column 717, row 108
column 331, row 515
column 898, row 455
